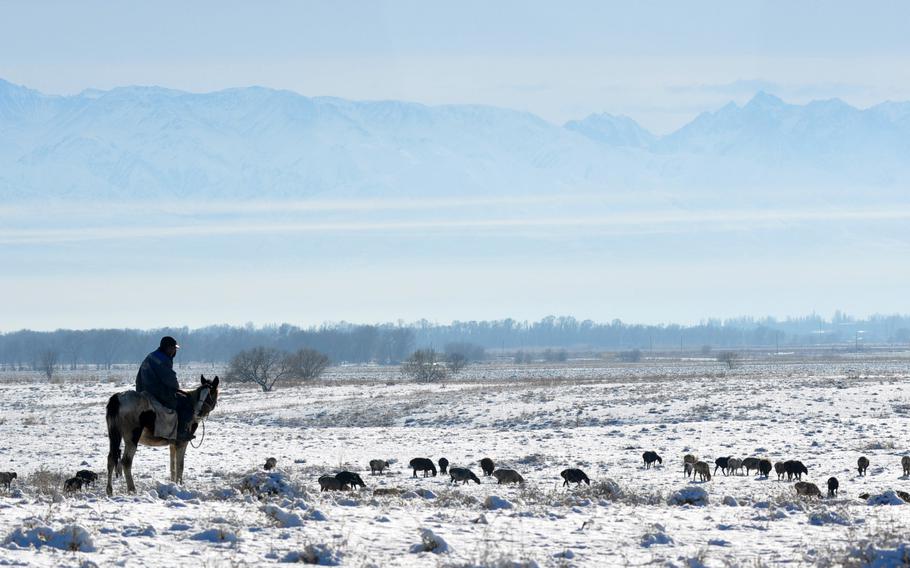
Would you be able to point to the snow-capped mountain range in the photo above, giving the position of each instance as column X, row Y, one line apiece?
column 147, row 142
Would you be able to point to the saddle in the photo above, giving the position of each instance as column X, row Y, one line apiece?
column 165, row 418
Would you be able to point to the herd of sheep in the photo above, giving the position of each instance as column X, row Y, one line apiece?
column 692, row 467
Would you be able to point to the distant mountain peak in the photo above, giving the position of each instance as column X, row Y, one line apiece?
column 614, row 130
column 763, row 99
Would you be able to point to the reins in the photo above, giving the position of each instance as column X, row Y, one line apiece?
column 202, row 439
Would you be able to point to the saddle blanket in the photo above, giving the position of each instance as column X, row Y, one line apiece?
column 165, row 418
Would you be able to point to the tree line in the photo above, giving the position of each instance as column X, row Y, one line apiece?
column 393, row 343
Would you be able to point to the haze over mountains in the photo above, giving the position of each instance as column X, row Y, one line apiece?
column 258, row 143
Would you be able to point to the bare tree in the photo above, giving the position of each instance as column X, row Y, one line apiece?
column 47, row 362
column 264, row 366
column 424, row 366
column 306, row 364
column 522, row 357
column 728, row 357
column 456, row 362
column 556, row 356
column 633, row 356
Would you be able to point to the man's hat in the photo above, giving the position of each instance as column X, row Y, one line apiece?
column 168, row 341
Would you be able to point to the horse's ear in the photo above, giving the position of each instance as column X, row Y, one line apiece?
column 202, row 379
column 215, row 382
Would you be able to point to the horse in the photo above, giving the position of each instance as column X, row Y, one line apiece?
column 130, row 413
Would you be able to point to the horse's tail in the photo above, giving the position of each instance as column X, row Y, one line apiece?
column 114, row 435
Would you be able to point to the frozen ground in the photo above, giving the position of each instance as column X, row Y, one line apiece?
column 537, row 420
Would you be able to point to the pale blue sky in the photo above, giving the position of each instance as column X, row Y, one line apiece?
column 658, row 62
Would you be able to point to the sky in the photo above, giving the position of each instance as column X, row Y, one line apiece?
column 659, row 62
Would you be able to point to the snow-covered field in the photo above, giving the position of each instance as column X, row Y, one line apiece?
column 597, row 416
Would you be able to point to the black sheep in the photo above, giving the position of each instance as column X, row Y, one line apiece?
column 764, row 467
column 350, row 478
column 487, row 465
column 72, row 484
column 650, row 458
column 862, row 464
column 750, row 464
column 721, row 463
column 832, row 486
column 443, row 465
column 575, row 476
column 795, row 468
column 87, row 477
column 424, row 465
column 6, row 478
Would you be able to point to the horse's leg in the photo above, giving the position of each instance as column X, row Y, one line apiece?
column 173, row 448
column 113, row 456
column 129, row 450
column 114, row 437
column 181, row 452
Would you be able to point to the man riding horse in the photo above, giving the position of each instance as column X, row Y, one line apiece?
column 157, row 378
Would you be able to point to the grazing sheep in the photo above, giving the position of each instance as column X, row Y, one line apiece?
column 734, row 465
column 807, row 489
column 575, row 476
column 87, row 477
column 764, row 467
column 270, row 464
column 72, row 485
column 507, row 476
column 329, row 483
column 832, row 486
column 903, row 495
column 462, row 474
column 651, row 457
column 750, row 464
column 795, row 468
column 443, row 465
column 378, row 465
column 862, row 464
column 6, row 478
column 487, row 465
column 688, row 464
column 905, row 463
column 350, row 479
column 424, row 465
column 780, row 470
column 703, row 470
column 721, row 463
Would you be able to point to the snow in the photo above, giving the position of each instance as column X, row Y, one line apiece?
column 536, row 420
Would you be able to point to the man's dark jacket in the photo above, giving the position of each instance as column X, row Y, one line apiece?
column 157, row 377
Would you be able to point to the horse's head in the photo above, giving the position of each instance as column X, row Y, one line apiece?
column 207, row 396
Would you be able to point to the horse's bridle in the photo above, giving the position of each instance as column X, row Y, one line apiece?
column 203, row 398
column 201, row 405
